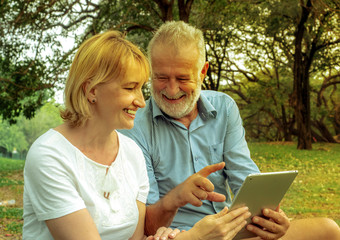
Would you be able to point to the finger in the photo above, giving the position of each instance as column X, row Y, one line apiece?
column 260, row 232
column 222, row 213
column 268, row 225
column 203, row 183
column 200, row 194
column 174, row 233
column 216, row 197
column 165, row 234
column 205, row 172
column 275, row 216
column 236, row 225
column 159, row 232
column 193, row 200
column 229, row 216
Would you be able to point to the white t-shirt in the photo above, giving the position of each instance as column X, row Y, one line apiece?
column 59, row 179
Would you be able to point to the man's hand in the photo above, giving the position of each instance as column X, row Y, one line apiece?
column 197, row 188
column 273, row 228
column 193, row 190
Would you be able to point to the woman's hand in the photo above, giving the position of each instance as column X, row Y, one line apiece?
column 164, row 233
column 223, row 225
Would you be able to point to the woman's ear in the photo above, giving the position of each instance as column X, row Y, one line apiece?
column 90, row 94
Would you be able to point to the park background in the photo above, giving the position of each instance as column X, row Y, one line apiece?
column 279, row 60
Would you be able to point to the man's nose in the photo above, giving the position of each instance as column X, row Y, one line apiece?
column 172, row 87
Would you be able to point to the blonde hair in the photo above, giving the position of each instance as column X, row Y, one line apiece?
column 179, row 34
column 99, row 59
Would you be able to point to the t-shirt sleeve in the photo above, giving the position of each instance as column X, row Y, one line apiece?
column 143, row 182
column 50, row 182
column 139, row 138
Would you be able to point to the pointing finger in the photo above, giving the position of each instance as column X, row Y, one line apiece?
column 205, row 172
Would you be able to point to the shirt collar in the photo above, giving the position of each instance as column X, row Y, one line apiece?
column 205, row 109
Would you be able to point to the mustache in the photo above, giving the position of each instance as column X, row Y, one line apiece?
column 176, row 96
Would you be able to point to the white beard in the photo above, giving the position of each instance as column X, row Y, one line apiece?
column 177, row 110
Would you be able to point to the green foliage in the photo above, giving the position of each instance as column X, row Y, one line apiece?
column 20, row 136
column 12, row 138
column 47, row 117
column 250, row 47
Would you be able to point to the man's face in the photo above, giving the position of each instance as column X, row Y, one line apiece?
column 176, row 81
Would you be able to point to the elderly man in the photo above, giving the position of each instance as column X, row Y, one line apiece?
column 195, row 149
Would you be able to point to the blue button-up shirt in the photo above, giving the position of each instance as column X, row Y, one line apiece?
column 173, row 152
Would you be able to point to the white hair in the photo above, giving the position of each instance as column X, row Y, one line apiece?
column 179, row 34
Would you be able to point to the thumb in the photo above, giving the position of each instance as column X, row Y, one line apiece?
column 223, row 212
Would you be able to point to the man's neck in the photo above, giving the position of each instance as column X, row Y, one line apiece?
column 186, row 120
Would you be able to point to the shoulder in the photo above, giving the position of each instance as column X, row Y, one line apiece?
column 129, row 147
column 49, row 150
column 126, row 141
column 217, row 98
column 49, row 141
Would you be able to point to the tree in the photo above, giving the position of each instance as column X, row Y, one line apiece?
column 11, row 138
column 278, row 42
column 288, row 37
column 47, row 117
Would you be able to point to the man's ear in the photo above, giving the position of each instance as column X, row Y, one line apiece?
column 204, row 70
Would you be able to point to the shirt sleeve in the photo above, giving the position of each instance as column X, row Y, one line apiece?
column 236, row 151
column 50, row 183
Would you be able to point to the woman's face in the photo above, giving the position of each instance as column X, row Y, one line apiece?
column 118, row 99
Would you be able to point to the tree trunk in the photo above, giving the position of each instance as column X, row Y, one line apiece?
column 324, row 131
column 301, row 94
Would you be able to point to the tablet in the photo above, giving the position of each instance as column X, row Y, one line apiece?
column 261, row 190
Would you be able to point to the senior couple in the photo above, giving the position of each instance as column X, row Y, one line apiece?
column 194, row 148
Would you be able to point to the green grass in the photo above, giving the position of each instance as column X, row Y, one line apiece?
column 11, row 164
column 315, row 191
column 11, row 187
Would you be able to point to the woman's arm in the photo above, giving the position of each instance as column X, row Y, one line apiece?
column 161, row 232
column 76, row 225
column 139, row 232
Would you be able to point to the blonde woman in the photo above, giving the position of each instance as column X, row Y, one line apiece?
column 83, row 179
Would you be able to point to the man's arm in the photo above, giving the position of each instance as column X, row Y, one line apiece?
column 193, row 190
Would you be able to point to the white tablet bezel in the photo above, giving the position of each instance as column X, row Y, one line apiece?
column 259, row 191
